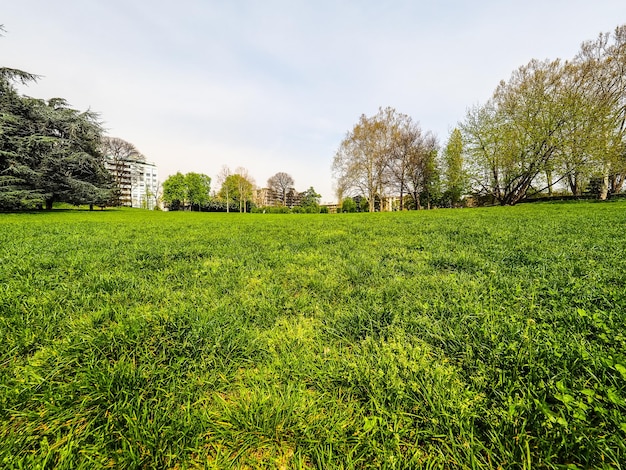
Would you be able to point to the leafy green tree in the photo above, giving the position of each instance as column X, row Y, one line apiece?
column 49, row 152
column 310, row 200
column 198, row 189
column 453, row 172
column 175, row 191
column 72, row 168
column 362, row 204
column 553, row 121
column 348, row 205
column 601, row 64
column 188, row 190
column 512, row 139
column 245, row 188
column 238, row 189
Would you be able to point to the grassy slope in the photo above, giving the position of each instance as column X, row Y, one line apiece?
column 484, row 337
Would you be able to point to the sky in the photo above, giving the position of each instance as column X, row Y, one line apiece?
column 275, row 85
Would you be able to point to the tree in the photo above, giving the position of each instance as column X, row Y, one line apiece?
column 191, row 189
column 384, row 153
column 175, row 191
column 453, row 172
column 422, row 174
column 514, row 137
column 245, row 187
column 348, row 205
column 221, row 179
column 120, row 157
column 413, row 168
column 281, row 183
column 362, row 161
column 406, row 135
column 553, row 121
column 117, row 149
column 602, row 63
column 238, row 189
column 310, row 200
column 49, row 152
column 198, row 189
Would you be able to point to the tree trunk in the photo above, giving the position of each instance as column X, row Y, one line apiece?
column 49, row 204
column 574, row 184
column 416, row 198
column 616, row 183
column 604, row 188
column 549, row 178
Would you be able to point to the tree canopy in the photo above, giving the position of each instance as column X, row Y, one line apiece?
column 49, row 152
column 281, row 183
column 553, row 122
column 310, row 200
column 386, row 154
column 454, row 174
column 189, row 190
column 237, row 188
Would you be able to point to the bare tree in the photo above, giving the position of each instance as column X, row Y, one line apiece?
column 385, row 152
column 222, row 177
column 280, row 183
column 245, row 187
column 407, row 141
column 118, row 155
column 362, row 162
column 421, row 168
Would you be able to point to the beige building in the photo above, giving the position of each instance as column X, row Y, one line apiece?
column 263, row 197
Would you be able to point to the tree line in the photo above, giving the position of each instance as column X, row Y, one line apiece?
column 555, row 127
column 237, row 193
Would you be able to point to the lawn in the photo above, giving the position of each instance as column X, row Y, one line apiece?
column 474, row 338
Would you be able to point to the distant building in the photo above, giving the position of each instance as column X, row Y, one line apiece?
column 136, row 180
column 331, row 206
column 264, row 197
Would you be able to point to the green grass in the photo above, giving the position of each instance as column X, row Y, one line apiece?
column 482, row 338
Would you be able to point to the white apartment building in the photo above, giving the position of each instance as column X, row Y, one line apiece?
column 136, row 180
column 144, row 191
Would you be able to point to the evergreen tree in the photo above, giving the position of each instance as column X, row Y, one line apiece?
column 49, row 152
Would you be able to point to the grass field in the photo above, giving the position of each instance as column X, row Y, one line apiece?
column 480, row 338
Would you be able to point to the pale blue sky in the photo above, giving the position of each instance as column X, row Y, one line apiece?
column 275, row 85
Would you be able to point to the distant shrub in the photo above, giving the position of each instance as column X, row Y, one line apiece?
column 271, row 210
